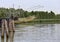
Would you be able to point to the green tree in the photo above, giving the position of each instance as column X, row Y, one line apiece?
column 51, row 14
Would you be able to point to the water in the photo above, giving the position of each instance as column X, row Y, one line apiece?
column 35, row 33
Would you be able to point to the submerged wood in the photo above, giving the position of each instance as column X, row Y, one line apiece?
column 8, row 26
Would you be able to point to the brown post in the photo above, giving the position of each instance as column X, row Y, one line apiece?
column 13, row 26
column 6, row 28
column 2, row 35
column 10, row 25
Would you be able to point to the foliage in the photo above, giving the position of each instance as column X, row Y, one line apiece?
column 5, row 12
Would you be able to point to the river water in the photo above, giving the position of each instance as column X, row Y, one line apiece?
column 34, row 33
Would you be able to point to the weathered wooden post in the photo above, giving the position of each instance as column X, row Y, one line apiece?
column 12, row 22
column 13, row 26
column 10, row 26
column 2, row 34
column 6, row 28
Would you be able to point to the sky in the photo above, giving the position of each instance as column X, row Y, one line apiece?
column 36, row 5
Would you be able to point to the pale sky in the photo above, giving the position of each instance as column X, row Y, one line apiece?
column 41, row 5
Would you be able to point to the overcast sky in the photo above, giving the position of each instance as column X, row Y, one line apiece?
column 42, row 5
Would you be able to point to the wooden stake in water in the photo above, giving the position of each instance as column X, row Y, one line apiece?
column 2, row 35
column 13, row 26
column 10, row 26
column 6, row 28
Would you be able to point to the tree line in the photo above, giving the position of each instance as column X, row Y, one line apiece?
column 7, row 12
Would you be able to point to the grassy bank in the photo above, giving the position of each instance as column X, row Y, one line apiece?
column 41, row 21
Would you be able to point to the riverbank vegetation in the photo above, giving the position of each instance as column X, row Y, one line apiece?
column 22, row 16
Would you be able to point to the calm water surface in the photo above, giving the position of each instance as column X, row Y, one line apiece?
column 35, row 33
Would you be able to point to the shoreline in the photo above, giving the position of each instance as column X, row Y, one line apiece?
column 40, row 21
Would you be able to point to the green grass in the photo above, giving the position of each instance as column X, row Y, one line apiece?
column 42, row 21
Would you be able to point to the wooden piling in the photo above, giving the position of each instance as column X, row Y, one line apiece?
column 13, row 26
column 10, row 26
column 6, row 28
column 2, row 34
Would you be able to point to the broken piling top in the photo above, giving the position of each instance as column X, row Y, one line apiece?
column 7, row 19
column 3, row 19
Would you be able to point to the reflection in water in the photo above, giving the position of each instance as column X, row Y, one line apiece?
column 52, row 30
column 11, row 36
column 2, row 39
column 37, row 33
column 8, row 39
